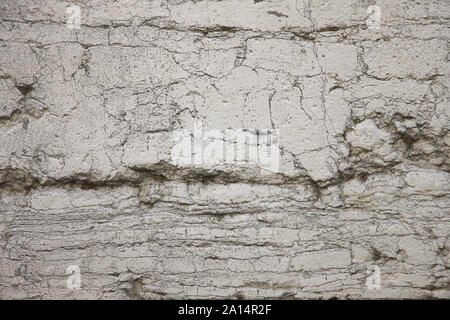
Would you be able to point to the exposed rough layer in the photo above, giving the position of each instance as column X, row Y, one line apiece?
column 86, row 119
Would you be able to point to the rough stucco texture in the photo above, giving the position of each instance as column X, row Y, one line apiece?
column 86, row 176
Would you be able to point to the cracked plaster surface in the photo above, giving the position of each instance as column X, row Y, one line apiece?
column 86, row 118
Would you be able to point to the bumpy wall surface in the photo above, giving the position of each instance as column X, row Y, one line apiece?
column 357, row 98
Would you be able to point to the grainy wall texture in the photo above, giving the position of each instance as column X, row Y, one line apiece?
column 89, row 187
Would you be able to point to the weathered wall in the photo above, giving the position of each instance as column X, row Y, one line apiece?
column 86, row 177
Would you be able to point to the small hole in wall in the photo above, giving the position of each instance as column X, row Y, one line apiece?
column 25, row 89
column 377, row 255
column 363, row 176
